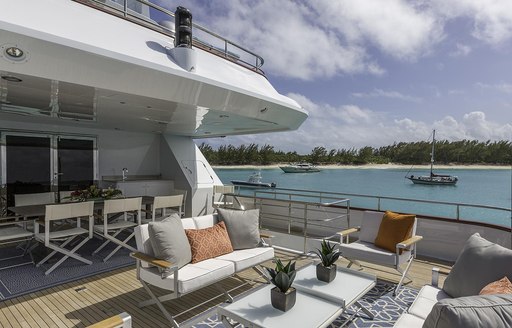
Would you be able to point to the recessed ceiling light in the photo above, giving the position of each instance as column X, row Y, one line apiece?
column 14, row 52
column 149, row 107
column 11, row 78
column 122, row 102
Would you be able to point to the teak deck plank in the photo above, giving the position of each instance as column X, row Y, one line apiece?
column 89, row 300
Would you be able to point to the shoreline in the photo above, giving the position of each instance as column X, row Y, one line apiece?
column 372, row 166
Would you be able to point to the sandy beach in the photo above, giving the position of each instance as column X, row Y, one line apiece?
column 372, row 166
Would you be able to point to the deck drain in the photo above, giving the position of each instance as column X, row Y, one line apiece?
column 80, row 289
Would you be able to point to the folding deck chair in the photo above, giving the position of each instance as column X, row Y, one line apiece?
column 111, row 230
column 64, row 236
column 163, row 203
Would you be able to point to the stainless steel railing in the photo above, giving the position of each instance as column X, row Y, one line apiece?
column 225, row 48
column 492, row 215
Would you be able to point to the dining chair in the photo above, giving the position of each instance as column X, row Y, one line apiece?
column 182, row 192
column 34, row 199
column 113, row 226
column 12, row 231
column 220, row 196
column 58, row 240
column 163, row 203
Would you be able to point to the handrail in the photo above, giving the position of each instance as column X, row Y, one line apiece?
column 128, row 13
column 290, row 193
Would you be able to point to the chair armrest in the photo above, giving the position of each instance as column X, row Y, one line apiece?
column 435, row 275
column 347, row 232
column 153, row 260
column 120, row 320
column 408, row 242
column 266, row 235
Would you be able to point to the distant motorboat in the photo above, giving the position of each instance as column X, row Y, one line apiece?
column 300, row 168
column 433, row 178
column 254, row 181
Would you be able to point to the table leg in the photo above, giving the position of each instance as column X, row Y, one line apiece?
column 365, row 310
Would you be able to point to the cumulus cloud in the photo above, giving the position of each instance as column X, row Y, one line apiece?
column 386, row 94
column 348, row 126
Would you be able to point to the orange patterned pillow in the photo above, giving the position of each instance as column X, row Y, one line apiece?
column 209, row 243
column 502, row 286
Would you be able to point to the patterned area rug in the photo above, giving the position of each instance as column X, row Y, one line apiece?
column 26, row 278
column 380, row 301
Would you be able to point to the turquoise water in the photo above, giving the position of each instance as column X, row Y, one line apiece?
column 478, row 187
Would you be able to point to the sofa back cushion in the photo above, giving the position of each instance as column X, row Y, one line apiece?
column 169, row 241
column 209, row 242
column 370, row 226
column 471, row 312
column 242, row 226
column 480, row 263
column 205, row 221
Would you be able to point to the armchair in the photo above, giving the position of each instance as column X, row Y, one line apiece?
column 364, row 248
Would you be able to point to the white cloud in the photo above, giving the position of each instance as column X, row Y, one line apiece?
column 348, row 126
column 502, row 87
column 386, row 94
column 461, row 50
column 492, row 19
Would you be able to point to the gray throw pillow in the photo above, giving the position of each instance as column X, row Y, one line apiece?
column 243, row 227
column 170, row 242
column 480, row 263
column 471, row 312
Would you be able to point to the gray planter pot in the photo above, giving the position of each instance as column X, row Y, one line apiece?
column 283, row 301
column 326, row 274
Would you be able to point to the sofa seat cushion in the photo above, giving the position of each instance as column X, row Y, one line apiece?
column 472, row 312
column 191, row 276
column 427, row 297
column 407, row 320
column 370, row 253
column 247, row 258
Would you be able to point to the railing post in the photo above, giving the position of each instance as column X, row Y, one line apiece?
column 125, row 8
column 458, row 212
column 305, row 226
column 378, row 204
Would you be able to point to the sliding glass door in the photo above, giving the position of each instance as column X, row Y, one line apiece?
column 35, row 163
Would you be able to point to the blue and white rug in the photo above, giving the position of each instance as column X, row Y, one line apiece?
column 25, row 279
column 380, row 301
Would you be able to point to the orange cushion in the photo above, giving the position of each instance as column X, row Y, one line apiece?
column 394, row 228
column 209, row 243
column 502, row 286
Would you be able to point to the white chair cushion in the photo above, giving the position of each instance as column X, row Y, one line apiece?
column 370, row 225
column 408, row 321
column 247, row 258
column 191, row 276
column 205, row 221
column 368, row 252
column 189, row 223
column 424, row 302
column 12, row 233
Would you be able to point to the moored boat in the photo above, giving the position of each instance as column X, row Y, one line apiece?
column 433, row 178
column 254, row 181
column 300, row 168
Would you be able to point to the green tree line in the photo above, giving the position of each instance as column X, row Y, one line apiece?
column 456, row 152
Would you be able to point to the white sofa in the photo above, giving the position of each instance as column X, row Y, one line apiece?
column 192, row 276
column 459, row 303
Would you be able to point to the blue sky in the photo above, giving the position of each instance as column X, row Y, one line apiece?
column 372, row 72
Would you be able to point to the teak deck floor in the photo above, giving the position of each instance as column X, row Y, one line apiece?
column 89, row 300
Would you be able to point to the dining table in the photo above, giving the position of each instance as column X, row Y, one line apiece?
column 40, row 209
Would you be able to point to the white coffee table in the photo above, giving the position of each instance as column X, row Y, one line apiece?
column 318, row 304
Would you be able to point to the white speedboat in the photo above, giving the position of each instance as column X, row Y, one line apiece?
column 300, row 168
column 254, row 181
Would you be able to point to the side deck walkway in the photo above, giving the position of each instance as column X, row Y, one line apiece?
column 87, row 301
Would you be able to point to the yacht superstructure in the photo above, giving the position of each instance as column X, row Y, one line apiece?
column 108, row 78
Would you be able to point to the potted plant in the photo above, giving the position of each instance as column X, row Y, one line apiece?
column 326, row 269
column 283, row 295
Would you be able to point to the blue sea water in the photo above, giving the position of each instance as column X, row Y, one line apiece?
column 475, row 186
